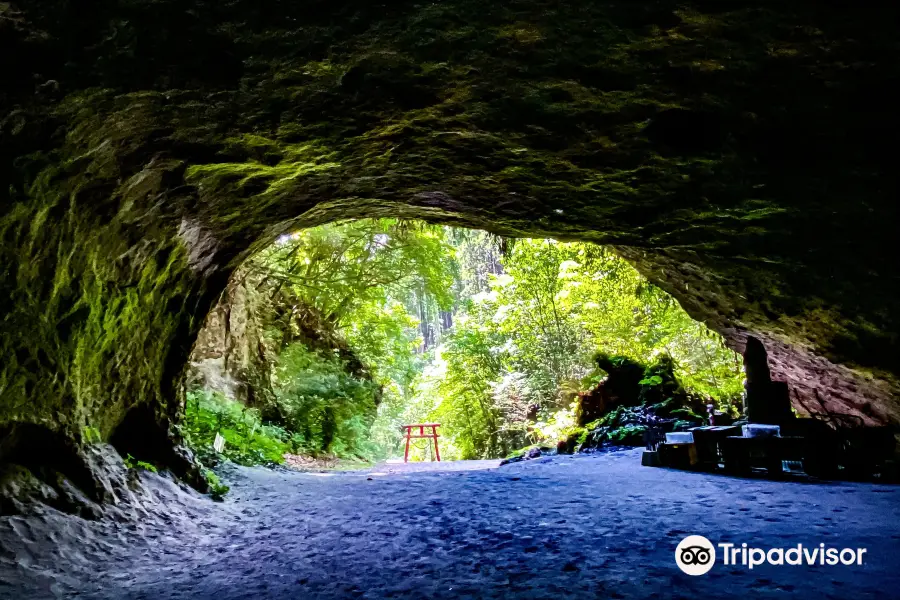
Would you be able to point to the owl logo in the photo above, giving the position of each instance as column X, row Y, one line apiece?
column 695, row 555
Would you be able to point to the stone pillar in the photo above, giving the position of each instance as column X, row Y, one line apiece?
column 767, row 401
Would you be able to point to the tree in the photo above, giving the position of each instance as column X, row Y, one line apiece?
column 524, row 343
column 479, row 333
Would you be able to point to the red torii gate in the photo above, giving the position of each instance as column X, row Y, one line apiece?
column 433, row 435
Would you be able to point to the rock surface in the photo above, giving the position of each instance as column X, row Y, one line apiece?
column 740, row 156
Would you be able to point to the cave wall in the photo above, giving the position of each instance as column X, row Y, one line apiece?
column 231, row 354
column 255, row 320
column 739, row 154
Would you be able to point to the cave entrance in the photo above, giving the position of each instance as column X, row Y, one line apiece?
column 326, row 342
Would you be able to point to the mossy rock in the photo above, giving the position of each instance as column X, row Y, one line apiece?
column 146, row 150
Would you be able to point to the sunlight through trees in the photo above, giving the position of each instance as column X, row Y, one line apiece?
column 361, row 326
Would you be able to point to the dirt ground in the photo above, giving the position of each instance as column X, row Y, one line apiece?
column 598, row 526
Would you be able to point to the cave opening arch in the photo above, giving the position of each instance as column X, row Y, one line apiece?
column 723, row 152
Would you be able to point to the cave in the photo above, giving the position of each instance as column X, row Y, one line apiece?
column 740, row 156
column 728, row 154
column 130, row 196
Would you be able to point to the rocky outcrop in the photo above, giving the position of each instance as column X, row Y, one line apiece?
column 255, row 320
column 90, row 483
column 629, row 400
column 230, row 355
column 619, row 387
column 738, row 155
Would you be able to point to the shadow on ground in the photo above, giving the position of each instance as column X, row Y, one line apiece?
column 563, row 527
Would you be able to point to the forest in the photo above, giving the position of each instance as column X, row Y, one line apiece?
column 329, row 340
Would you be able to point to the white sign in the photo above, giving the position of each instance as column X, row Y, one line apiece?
column 219, row 443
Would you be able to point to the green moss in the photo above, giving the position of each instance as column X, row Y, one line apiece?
column 292, row 162
column 723, row 151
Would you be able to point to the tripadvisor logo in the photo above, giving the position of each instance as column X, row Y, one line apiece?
column 696, row 555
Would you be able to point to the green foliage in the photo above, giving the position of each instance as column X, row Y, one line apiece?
column 131, row 463
column 553, row 320
column 631, row 434
column 247, row 440
column 327, row 409
column 91, row 435
column 217, row 489
column 377, row 323
column 342, row 268
column 659, row 383
column 372, row 291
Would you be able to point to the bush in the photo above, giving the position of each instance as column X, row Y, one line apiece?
column 659, row 383
column 247, row 440
column 326, row 409
column 627, row 435
column 217, row 489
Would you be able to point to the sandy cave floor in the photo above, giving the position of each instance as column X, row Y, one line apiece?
column 598, row 526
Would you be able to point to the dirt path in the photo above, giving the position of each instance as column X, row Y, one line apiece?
column 569, row 527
